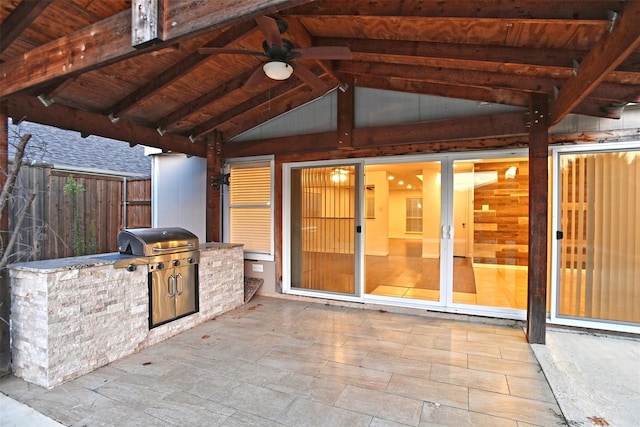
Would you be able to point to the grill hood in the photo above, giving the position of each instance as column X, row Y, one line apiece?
column 147, row 242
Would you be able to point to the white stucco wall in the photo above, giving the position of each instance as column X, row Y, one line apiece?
column 179, row 193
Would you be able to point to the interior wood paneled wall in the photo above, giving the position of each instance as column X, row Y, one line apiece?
column 501, row 231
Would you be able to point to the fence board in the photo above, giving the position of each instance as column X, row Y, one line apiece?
column 46, row 232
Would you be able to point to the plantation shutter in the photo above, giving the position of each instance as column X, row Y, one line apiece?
column 250, row 206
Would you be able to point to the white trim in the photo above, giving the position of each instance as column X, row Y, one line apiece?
column 554, row 317
column 248, row 254
column 595, row 324
column 445, row 304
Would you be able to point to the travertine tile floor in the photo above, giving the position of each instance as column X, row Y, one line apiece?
column 279, row 362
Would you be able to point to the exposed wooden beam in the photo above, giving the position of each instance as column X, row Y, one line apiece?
column 451, row 76
column 279, row 90
column 178, row 70
column 346, row 117
column 20, row 19
column 480, row 79
column 496, row 96
column 588, row 107
column 189, row 108
column 520, row 59
column 244, row 122
column 109, row 40
column 610, row 51
column 213, row 208
column 477, row 127
column 147, row 23
column 84, row 122
column 538, row 219
column 522, row 9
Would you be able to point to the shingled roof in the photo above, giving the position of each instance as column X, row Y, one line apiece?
column 67, row 149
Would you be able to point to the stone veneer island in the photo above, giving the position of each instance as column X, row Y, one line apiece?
column 70, row 316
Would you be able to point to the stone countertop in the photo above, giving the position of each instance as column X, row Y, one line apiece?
column 61, row 264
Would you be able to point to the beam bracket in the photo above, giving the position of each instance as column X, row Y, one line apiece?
column 220, row 179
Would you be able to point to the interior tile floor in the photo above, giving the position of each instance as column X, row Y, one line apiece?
column 281, row 362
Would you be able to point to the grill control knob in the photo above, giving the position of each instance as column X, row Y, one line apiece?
column 176, row 262
column 190, row 260
column 160, row 265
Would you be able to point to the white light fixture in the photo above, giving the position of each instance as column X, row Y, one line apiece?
column 339, row 175
column 277, row 70
column 511, row 172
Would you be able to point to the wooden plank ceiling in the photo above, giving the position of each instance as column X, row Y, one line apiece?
column 70, row 63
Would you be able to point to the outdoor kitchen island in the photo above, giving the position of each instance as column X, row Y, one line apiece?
column 70, row 316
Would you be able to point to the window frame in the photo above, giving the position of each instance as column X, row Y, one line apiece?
column 248, row 162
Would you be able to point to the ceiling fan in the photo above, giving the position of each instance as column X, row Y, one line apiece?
column 279, row 53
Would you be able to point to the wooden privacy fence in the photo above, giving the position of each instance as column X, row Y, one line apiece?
column 58, row 227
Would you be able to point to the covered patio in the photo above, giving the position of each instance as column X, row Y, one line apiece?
column 285, row 362
column 345, row 366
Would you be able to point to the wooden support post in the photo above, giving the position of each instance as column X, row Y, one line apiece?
column 538, row 210
column 147, row 22
column 5, row 296
column 213, row 213
column 345, row 117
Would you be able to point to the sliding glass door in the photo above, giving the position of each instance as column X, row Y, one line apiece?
column 444, row 232
column 598, row 237
column 323, row 208
column 402, row 233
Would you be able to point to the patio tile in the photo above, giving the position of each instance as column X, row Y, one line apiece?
column 441, row 415
column 309, row 387
column 381, row 404
column 305, row 413
column 363, row 377
column 335, row 366
column 469, row 378
column 258, row 401
column 515, row 408
column 507, row 367
column 397, row 365
column 429, row 391
column 339, row 354
column 432, row 355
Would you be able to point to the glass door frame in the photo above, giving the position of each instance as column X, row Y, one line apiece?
column 556, row 218
column 445, row 304
column 358, row 239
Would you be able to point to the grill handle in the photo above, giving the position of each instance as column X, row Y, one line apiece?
column 187, row 246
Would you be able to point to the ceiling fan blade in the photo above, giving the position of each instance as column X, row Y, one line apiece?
column 255, row 79
column 270, row 29
column 222, row 50
column 307, row 76
column 322, row 52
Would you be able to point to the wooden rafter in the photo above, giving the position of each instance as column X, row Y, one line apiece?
column 19, row 20
column 280, row 90
column 399, row 51
column 527, row 9
column 109, row 40
column 220, row 91
column 180, row 69
column 97, row 124
column 609, row 52
column 244, row 122
column 451, row 76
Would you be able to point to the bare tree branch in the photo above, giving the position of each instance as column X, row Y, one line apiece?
column 13, row 173
column 14, row 235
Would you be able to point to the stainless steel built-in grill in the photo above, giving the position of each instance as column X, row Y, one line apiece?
column 172, row 257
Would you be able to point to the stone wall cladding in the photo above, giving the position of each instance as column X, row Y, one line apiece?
column 70, row 321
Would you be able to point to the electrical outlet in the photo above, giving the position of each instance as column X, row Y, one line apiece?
column 258, row 268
